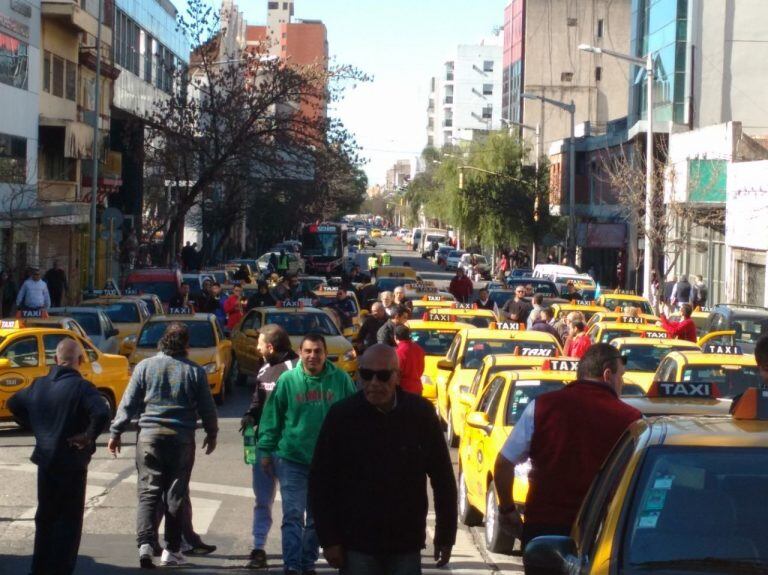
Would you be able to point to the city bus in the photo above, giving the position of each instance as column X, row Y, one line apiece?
column 324, row 247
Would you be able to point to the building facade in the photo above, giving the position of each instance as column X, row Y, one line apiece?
column 541, row 56
column 20, row 77
column 465, row 97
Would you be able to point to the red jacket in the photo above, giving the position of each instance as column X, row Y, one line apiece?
column 684, row 329
column 411, row 358
column 577, row 346
column 233, row 311
column 574, row 430
column 461, row 288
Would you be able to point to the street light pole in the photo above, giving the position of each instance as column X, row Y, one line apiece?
column 95, row 152
column 647, row 62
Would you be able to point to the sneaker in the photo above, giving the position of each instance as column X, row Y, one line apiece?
column 198, row 548
column 171, row 559
column 145, row 556
column 257, row 560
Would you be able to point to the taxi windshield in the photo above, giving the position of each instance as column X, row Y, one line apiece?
column 122, row 312
column 525, row 392
column 609, row 335
column 646, row 357
column 433, row 341
column 587, row 313
column 389, row 283
column 200, row 333
column 749, row 329
column 698, row 509
column 613, row 303
column 731, row 381
column 481, row 321
column 88, row 321
column 302, row 323
column 331, row 301
column 476, row 350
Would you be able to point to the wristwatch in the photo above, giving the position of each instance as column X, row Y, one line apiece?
column 507, row 508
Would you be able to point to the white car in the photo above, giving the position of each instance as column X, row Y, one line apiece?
column 295, row 263
column 481, row 266
column 453, row 259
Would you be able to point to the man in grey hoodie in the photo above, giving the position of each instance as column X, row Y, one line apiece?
column 169, row 391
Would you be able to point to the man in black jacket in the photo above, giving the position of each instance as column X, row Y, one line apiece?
column 367, row 486
column 366, row 337
column 275, row 347
column 66, row 414
column 386, row 333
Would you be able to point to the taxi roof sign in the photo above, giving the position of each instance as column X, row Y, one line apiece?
column 180, row 311
column 684, row 389
column 583, row 302
column 290, row 304
column 436, row 315
column 507, row 325
column 723, row 349
column 655, row 335
column 10, row 324
column 560, row 365
column 631, row 319
column 432, row 298
column 421, row 287
column 623, row 292
column 461, row 305
column 534, row 351
column 32, row 313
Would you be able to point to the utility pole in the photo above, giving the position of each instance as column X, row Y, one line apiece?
column 95, row 169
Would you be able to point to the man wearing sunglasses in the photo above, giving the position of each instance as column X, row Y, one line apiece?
column 367, row 487
column 517, row 309
column 567, row 434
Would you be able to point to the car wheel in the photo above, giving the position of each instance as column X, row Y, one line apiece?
column 468, row 514
column 497, row 537
column 109, row 401
column 450, row 437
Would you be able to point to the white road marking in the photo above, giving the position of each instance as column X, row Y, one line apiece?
column 203, row 513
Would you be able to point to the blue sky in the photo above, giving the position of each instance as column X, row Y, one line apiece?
column 402, row 44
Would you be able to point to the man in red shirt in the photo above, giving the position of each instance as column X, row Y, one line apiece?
column 233, row 307
column 566, row 434
column 461, row 286
column 410, row 356
column 684, row 329
column 579, row 342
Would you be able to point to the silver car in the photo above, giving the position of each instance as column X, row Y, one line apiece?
column 97, row 325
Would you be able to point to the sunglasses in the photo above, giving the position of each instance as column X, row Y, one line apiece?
column 382, row 375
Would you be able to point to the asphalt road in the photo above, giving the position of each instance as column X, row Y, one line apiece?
column 221, row 497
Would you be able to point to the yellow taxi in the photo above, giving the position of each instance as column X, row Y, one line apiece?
column 207, row 346
column 298, row 320
column 489, row 422
column 625, row 326
column 678, row 398
column 325, row 298
column 605, row 316
column 154, row 305
column 724, row 365
column 432, row 301
column 643, row 356
column 396, row 272
column 467, row 313
column 624, row 298
column 127, row 313
column 588, row 308
column 468, row 349
column 434, row 333
column 28, row 352
column 415, row 291
column 375, row 233
column 678, row 495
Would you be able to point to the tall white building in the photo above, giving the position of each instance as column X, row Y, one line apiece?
column 465, row 96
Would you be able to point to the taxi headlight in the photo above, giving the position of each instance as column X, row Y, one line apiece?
column 211, row 368
column 350, row 355
column 523, row 470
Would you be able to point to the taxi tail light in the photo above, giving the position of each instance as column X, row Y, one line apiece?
column 617, row 309
column 425, row 316
column 517, row 350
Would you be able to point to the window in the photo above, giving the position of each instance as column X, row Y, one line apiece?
column 88, row 98
column 285, row 5
column 47, row 72
column 600, row 28
column 566, row 77
column 49, row 345
column 13, row 62
column 487, row 89
column 274, row 5
column 70, row 89
column 22, row 353
column 488, row 66
column 13, row 158
column 523, row 394
column 58, row 77
column 573, row 22
column 489, row 395
column 598, row 74
column 487, row 112
column 148, row 58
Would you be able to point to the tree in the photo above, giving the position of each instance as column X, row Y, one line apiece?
column 248, row 120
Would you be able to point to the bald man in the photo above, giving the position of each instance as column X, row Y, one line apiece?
column 367, row 487
column 373, row 322
column 66, row 414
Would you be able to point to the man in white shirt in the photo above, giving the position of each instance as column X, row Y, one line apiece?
column 33, row 294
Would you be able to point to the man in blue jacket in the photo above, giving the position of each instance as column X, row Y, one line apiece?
column 66, row 414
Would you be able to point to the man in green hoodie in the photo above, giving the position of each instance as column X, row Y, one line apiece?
column 288, row 431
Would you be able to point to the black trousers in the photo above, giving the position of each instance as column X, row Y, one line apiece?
column 59, row 520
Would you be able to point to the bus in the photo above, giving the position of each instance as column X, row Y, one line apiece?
column 324, row 247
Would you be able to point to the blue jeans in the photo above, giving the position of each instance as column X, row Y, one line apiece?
column 301, row 548
column 264, row 488
column 357, row 563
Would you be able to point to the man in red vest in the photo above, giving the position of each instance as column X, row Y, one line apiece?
column 567, row 434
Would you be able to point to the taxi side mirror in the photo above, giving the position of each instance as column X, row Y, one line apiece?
column 478, row 420
column 254, row 333
column 466, row 398
column 5, row 363
column 446, row 364
column 550, row 555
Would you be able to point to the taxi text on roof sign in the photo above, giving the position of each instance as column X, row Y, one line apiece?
column 583, row 302
column 432, row 298
column 434, row 315
column 459, row 305
column 656, row 335
column 180, row 311
column 689, row 389
column 290, row 303
column 723, row 349
column 536, row 351
column 32, row 313
column 513, row 325
column 623, row 292
column 10, row 324
column 561, row 365
column 631, row 319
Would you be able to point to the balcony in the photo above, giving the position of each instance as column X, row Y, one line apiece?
column 88, row 56
column 70, row 12
column 56, row 191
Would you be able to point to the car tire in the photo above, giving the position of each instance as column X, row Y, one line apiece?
column 106, row 396
column 498, row 539
column 468, row 514
column 450, row 437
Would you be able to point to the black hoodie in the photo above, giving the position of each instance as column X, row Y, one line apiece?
column 267, row 378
